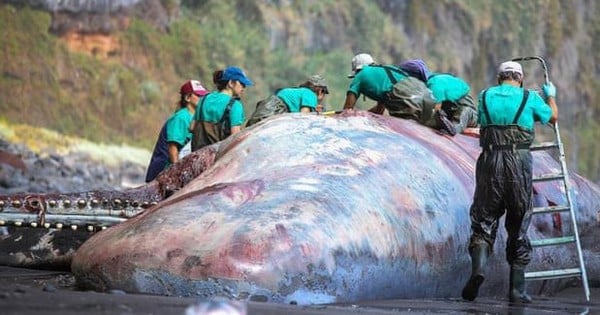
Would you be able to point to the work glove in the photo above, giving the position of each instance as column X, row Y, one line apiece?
column 549, row 90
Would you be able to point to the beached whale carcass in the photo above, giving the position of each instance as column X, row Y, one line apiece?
column 314, row 209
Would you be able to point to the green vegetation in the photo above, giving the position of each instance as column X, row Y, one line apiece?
column 43, row 141
column 124, row 96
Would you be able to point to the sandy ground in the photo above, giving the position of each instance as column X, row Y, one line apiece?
column 30, row 291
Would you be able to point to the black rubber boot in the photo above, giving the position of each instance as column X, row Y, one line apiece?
column 463, row 122
column 516, row 293
column 479, row 257
column 444, row 123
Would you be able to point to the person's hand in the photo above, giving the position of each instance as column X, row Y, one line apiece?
column 549, row 90
column 377, row 109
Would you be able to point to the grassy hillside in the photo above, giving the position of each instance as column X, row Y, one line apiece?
column 120, row 87
column 43, row 142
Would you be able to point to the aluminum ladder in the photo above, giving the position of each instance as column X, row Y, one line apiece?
column 570, row 207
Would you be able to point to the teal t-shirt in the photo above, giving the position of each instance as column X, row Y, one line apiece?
column 178, row 127
column 503, row 101
column 296, row 97
column 447, row 87
column 374, row 82
column 214, row 108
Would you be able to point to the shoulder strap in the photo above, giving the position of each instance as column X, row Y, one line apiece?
column 484, row 108
column 227, row 110
column 389, row 70
column 438, row 73
column 433, row 75
column 518, row 114
column 200, row 108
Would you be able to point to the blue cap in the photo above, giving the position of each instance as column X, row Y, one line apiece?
column 237, row 74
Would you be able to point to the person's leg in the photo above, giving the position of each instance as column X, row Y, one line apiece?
column 266, row 108
column 444, row 123
column 464, row 114
column 467, row 118
column 435, row 116
column 518, row 218
column 487, row 208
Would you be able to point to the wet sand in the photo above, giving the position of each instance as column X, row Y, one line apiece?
column 30, row 291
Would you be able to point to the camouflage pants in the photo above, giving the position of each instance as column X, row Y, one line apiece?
column 462, row 113
column 268, row 107
column 411, row 99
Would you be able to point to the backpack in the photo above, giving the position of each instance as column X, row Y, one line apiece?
column 268, row 107
column 409, row 97
column 206, row 133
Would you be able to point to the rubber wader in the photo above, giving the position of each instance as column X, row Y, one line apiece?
column 479, row 256
column 517, row 286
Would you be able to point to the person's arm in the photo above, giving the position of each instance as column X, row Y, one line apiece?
column 377, row 109
column 554, row 108
column 305, row 109
column 192, row 126
column 350, row 100
column 173, row 152
column 236, row 129
column 236, row 117
column 550, row 92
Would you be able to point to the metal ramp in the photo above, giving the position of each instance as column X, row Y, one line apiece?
column 578, row 271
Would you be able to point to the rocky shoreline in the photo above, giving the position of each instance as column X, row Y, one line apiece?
column 22, row 170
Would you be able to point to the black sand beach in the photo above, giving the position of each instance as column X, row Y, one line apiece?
column 31, row 291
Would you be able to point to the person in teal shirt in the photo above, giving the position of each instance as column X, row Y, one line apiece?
column 452, row 98
column 372, row 80
column 455, row 108
column 507, row 113
column 220, row 113
column 305, row 99
column 500, row 109
column 392, row 88
column 174, row 134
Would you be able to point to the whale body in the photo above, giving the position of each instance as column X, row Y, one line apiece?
column 311, row 209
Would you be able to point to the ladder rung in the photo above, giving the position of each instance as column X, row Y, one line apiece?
column 540, row 210
column 553, row 241
column 543, row 146
column 548, row 177
column 553, row 274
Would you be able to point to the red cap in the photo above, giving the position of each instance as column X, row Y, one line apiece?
column 193, row 86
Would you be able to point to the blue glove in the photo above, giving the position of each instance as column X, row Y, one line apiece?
column 549, row 90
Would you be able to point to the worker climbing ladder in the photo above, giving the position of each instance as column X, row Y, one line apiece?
column 570, row 206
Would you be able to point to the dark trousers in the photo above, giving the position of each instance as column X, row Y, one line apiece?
column 504, row 186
